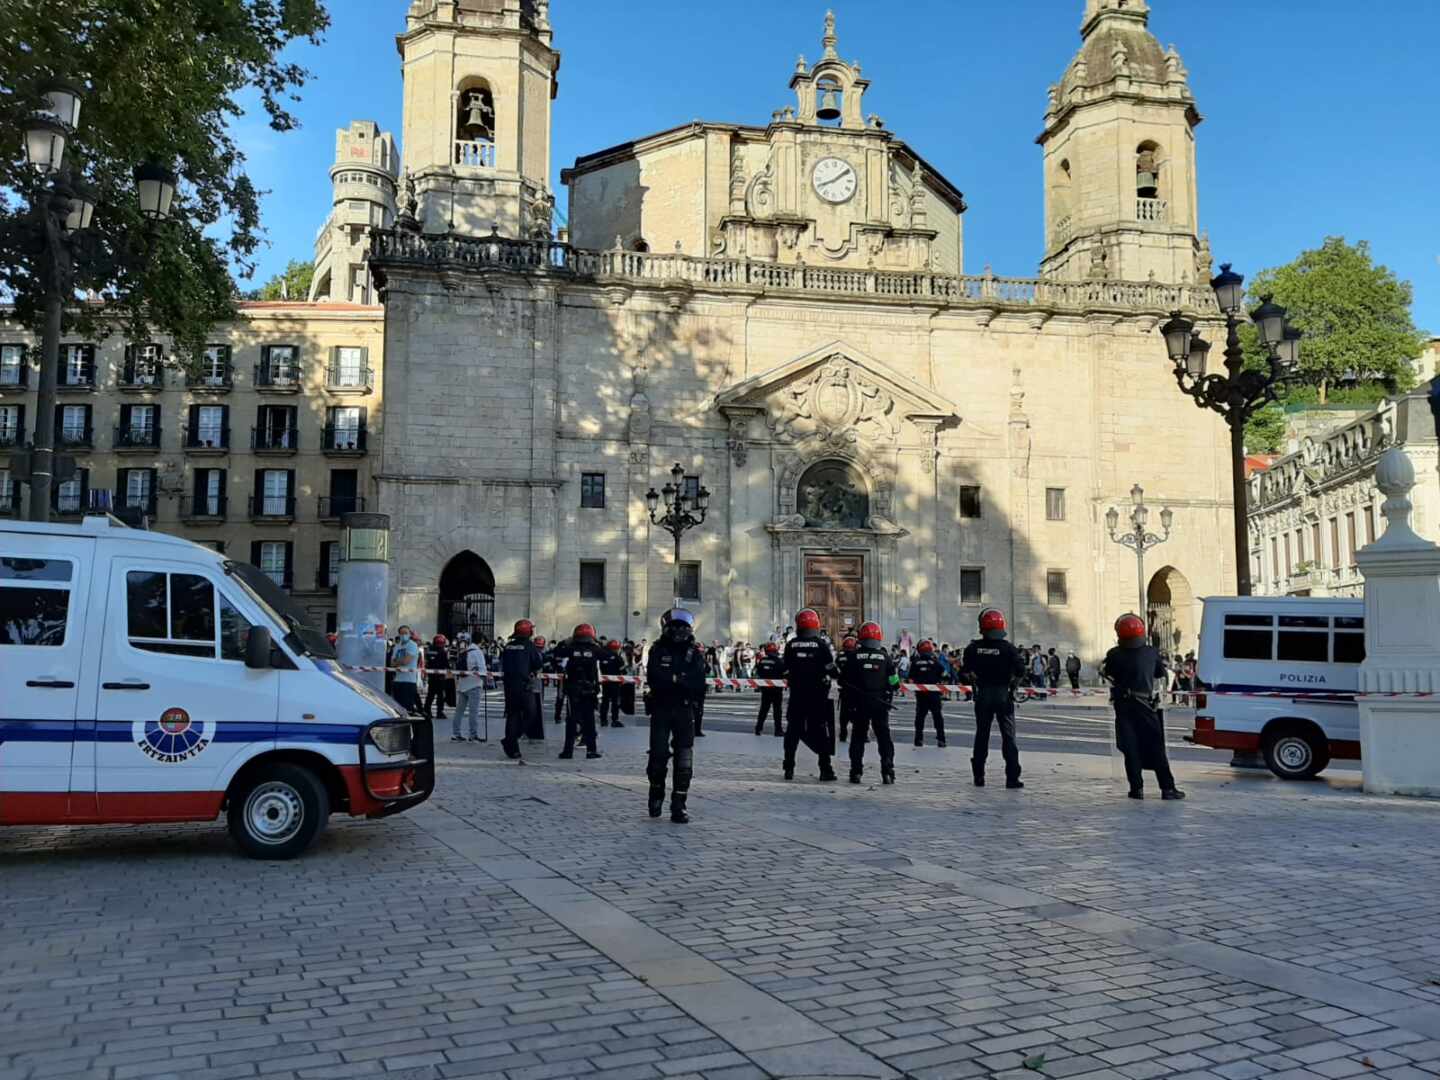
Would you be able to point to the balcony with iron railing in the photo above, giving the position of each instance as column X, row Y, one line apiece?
column 130, row 440
column 272, row 508
column 474, row 154
column 343, row 441
column 12, row 437
column 75, row 382
column 140, row 377
column 74, row 438
column 280, row 442
column 206, row 440
column 142, row 504
column 327, row 578
column 210, row 382
column 347, row 379
column 1150, row 210
column 68, row 502
column 277, row 378
column 204, row 507
column 749, row 277
column 10, row 501
column 335, row 507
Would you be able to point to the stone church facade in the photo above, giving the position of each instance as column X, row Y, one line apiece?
column 782, row 310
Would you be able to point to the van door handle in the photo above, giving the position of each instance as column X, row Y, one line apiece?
column 125, row 686
column 50, row 684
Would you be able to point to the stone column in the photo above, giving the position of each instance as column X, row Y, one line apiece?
column 1400, row 736
column 363, row 595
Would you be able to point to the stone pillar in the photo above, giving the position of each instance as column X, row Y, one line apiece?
column 1400, row 736
column 363, row 595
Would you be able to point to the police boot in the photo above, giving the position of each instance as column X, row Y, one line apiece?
column 887, row 772
column 657, row 799
column 1014, row 783
column 1172, row 794
column 854, row 776
column 978, row 771
column 789, row 770
column 677, row 808
column 616, row 723
column 827, row 774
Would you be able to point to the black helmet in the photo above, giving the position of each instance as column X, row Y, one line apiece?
column 678, row 624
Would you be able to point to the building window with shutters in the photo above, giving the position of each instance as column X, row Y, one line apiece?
column 12, row 425
column 1054, row 504
column 592, row 579
column 137, row 489
column 213, row 371
column 279, row 368
column 208, row 428
column 344, row 430
column 74, row 425
column 14, row 367
column 9, row 493
column 970, row 500
column 1057, row 591
column 690, row 581
column 77, row 365
column 349, row 369
column 592, row 491
column 274, row 561
column 274, row 494
column 328, row 573
column 208, row 499
column 70, row 495
column 972, row 585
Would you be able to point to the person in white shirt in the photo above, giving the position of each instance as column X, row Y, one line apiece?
column 469, row 687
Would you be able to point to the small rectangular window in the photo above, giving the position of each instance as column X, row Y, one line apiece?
column 15, row 569
column 972, row 586
column 170, row 613
column 1057, row 593
column 970, row 501
column 691, row 488
column 272, row 561
column 33, row 615
column 689, row 581
column 592, row 580
column 1249, row 645
column 234, row 631
column 1349, row 646
column 1054, row 504
column 592, row 490
column 1304, row 646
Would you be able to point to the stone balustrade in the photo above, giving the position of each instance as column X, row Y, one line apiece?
column 1150, row 210
column 475, row 155
column 396, row 247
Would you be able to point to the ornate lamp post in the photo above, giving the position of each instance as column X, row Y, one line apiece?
column 62, row 214
column 1239, row 393
column 1136, row 537
column 677, row 511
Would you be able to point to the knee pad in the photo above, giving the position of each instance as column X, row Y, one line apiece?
column 684, row 758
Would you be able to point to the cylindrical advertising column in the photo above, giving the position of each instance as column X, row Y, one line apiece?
column 363, row 596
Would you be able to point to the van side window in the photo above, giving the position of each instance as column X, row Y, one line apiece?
column 170, row 613
column 34, row 600
column 1349, row 640
column 1304, row 639
column 234, row 632
column 1249, row 637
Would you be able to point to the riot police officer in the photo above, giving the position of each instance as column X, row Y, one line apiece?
column 870, row 677
column 1131, row 669
column 520, row 663
column 808, row 662
column 675, row 675
column 582, row 656
column 610, row 692
column 926, row 669
column 848, row 698
column 997, row 667
column 771, row 697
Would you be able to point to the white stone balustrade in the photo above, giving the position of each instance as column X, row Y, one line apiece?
column 1150, row 209
column 475, row 155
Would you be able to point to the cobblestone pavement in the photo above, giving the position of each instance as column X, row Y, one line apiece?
column 532, row 922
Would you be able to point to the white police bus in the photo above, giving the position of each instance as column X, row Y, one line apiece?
column 147, row 679
column 1280, row 675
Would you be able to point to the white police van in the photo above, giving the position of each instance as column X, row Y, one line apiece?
column 1280, row 676
column 150, row 679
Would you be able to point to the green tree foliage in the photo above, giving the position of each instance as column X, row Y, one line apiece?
column 163, row 81
column 293, row 283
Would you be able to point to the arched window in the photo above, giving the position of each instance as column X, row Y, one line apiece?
column 833, row 495
column 639, row 244
column 475, row 124
column 1147, row 171
column 467, row 597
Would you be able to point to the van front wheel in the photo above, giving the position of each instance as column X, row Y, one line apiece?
column 278, row 811
column 1295, row 753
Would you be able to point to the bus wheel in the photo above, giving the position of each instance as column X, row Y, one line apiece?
column 1295, row 752
column 278, row 811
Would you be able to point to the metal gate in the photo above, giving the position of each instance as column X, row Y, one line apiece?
column 475, row 614
column 1163, row 632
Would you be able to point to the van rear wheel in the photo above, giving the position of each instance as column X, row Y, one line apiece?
column 278, row 811
column 1295, row 753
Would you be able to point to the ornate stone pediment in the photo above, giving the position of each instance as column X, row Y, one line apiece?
column 839, row 396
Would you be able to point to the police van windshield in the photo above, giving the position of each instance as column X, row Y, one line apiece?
column 300, row 636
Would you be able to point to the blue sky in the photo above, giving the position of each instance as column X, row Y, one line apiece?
column 1319, row 114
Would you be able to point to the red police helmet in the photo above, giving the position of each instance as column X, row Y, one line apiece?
column 524, row 628
column 992, row 619
column 849, row 644
column 441, row 640
column 925, row 647
column 871, row 631
column 330, row 638
column 1130, row 627
column 807, row 619
column 613, row 645
column 584, row 631
column 539, row 642
column 771, row 649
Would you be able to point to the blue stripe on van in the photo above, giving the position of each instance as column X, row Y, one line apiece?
column 229, row 731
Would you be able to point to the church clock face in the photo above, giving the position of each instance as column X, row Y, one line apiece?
column 834, row 180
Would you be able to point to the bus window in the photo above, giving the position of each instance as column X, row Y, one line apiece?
column 1349, row 640
column 1304, row 638
column 1249, row 637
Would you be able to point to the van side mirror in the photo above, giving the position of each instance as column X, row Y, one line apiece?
column 257, row 649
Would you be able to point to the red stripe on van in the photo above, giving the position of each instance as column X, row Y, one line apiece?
column 107, row 807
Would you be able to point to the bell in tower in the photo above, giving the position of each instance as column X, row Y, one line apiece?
column 477, row 116
column 829, row 106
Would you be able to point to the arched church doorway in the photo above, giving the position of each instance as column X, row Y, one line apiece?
column 467, row 597
column 832, row 495
column 1170, row 609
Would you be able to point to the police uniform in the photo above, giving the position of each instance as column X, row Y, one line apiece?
column 439, row 682
column 925, row 668
column 808, row 661
column 698, row 705
column 613, row 664
column 849, row 701
column 869, row 675
column 771, row 697
column 997, row 666
column 520, row 662
column 675, row 675
column 582, row 690
column 1139, row 724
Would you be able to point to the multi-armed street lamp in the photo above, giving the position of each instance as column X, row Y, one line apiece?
column 679, row 510
column 1136, row 537
column 1240, row 392
column 61, row 217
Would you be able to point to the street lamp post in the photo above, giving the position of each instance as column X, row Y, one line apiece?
column 677, row 510
column 62, row 214
column 1240, row 392
column 1137, row 538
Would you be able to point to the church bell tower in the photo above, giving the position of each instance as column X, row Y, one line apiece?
column 1119, row 152
column 480, row 76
